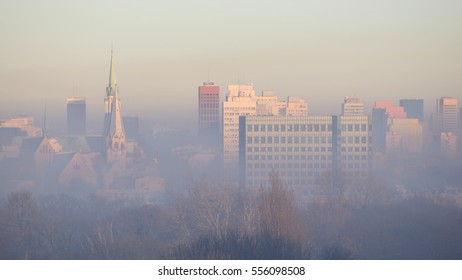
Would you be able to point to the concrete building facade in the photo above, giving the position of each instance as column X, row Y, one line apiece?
column 209, row 109
column 302, row 148
column 352, row 106
column 448, row 111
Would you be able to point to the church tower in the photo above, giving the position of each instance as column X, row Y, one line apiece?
column 114, row 132
column 110, row 92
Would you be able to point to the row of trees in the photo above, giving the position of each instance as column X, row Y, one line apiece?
column 354, row 219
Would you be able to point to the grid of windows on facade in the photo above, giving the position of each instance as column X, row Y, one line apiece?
column 300, row 149
column 209, row 100
column 231, row 113
column 354, row 140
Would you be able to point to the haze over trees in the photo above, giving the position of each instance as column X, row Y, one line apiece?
column 218, row 221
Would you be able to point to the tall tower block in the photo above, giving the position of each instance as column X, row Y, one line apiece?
column 76, row 115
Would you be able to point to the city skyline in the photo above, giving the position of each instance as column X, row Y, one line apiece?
column 225, row 129
column 319, row 51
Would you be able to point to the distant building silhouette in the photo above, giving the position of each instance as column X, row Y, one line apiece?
column 447, row 110
column 414, row 108
column 379, row 129
column 209, row 112
column 352, row 106
column 391, row 110
column 76, row 116
column 296, row 106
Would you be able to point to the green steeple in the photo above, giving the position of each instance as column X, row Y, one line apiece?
column 112, row 78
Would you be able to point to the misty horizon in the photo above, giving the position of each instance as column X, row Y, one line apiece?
column 159, row 163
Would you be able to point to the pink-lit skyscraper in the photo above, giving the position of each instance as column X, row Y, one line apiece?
column 209, row 112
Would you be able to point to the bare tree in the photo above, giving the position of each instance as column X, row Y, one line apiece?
column 278, row 210
column 20, row 223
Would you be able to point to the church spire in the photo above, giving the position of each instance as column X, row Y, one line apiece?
column 114, row 127
column 112, row 78
column 45, row 122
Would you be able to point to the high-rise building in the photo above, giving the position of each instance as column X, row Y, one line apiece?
column 460, row 118
column 391, row 110
column 114, row 127
column 76, row 115
column 448, row 145
column 302, row 148
column 240, row 101
column 352, row 106
column 296, row 106
column 209, row 117
column 414, row 108
column 448, row 110
column 404, row 136
column 379, row 129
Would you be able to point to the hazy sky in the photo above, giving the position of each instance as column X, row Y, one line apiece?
column 321, row 50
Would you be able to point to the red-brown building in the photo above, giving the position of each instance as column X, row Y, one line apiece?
column 209, row 112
